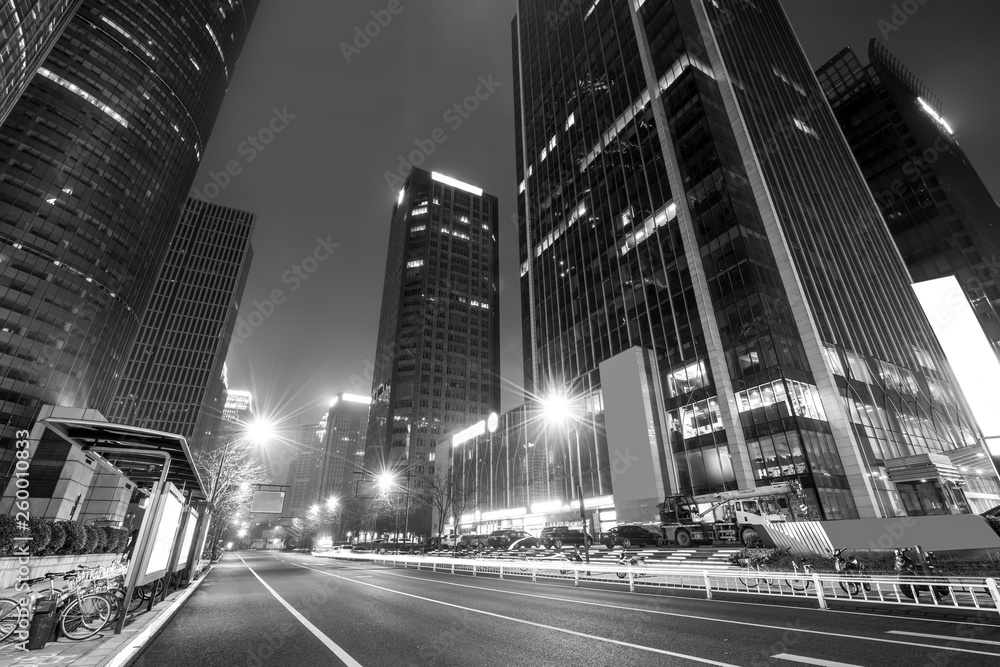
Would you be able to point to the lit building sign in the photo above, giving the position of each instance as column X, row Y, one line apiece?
column 448, row 180
column 933, row 114
column 473, row 431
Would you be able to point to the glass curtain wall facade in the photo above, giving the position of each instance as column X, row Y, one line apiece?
column 182, row 343
column 28, row 30
column 437, row 367
column 343, row 445
column 684, row 188
column 940, row 213
column 96, row 160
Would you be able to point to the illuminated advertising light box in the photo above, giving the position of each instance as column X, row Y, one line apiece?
column 166, row 531
column 267, row 502
column 189, row 527
column 968, row 351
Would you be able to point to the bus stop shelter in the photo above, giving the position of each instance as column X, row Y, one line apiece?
column 172, row 529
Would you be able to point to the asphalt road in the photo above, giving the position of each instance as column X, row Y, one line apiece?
column 266, row 608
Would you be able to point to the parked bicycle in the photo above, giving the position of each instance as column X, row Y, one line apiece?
column 82, row 614
column 803, row 578
column 850, row 571
column 757, row 575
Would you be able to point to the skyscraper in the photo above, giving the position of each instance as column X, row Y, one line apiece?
column 343, row 445
column 185, row 331
column 437, row 364
column 304, row 472
column 96, row 160
column 689, row 210
column 28, row 29
column 940, row 213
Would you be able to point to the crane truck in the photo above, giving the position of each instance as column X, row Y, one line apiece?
column 730, row 516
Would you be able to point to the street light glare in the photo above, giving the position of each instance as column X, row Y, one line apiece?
column 331, row 502
column 259, row 431
column 557, row 408
column 385, row 481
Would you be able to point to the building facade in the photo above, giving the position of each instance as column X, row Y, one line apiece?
column 344, row 432
column 304, row 472
column 695, row 235
column 96, row 160
column 28, row 30
column 184, row 336
column 940, row 213
column 437, row 366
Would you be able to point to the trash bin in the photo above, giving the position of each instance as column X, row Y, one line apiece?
column 43, row 625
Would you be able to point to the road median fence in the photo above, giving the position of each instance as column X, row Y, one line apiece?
column 943, row 593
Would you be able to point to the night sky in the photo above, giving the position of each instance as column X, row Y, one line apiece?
column 321, row 180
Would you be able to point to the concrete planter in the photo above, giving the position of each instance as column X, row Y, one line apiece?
column 41, row 565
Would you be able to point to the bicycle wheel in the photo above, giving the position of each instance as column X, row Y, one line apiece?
column 764, row 577
column 750, row 580
column 84, row 617
column 10, row 616
column 800, row 583
column 138, row 596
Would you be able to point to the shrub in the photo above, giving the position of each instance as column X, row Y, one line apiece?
column 117, row 539
column 94, row 536
column 57, row 538
column 76, row 538
column 754, row 542
column 755, row 557
column 8, row 531
column 41, row 535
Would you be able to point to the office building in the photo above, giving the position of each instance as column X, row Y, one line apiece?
column 344, row 428
column 185, row 332
column 28, row 30
column 96, row 161
column 304, row 472
column 706, row 280
column 437, row 358
column 942, row 216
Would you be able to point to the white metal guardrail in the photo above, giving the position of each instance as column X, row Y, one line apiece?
column 965, row 593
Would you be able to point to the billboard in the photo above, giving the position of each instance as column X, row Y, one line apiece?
column 267, row 502
column 189, row 527
column 166, row 530
column 366, row 488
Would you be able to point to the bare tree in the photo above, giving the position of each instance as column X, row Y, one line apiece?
column 231, row 481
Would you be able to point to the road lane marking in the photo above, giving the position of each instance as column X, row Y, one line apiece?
column 673, row 614
column 945, row 637
column 608, row 640
column 329, row 643
column 812, row 661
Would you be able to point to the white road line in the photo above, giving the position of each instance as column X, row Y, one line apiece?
column 329, row 643
column 811, row 661
column 608, row 640
column 673, row 614
column 945, row 637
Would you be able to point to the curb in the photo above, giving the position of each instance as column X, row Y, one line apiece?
column 138, row 643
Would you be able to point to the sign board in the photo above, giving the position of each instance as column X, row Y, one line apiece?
column 165, row 527
column 366, row 488
column 267, row 502
column 189, row 527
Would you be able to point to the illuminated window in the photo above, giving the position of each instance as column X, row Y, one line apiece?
column 522, row 187
column 84, row 94
column 420, row 211
column 545, row 154
column 414, row 263
column 802, row 126
column 571, row 121
column 418, row 228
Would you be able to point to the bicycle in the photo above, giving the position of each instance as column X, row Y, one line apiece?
column 10, row 618
column 801, row 582
column 846, row 567
column 754, row 577
column 81, row 614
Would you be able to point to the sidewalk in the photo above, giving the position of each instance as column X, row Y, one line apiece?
column 106, row 649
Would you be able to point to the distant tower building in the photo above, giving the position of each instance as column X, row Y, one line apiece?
column 97, row 158
column 304, row 473
column 942, row 216
column 181, row 348
column 28, row 30
column 437, row 365
column 343, row 444
column 239, row 406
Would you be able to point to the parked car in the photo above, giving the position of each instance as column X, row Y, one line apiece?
column 557, row 536
column 472, row 541
column 431, row 544
column 503, row 539
column 630, row 536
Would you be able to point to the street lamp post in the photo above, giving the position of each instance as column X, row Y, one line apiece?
column 557, row 409
column 256, row 432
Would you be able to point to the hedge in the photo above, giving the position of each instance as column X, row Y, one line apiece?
column 49, row 537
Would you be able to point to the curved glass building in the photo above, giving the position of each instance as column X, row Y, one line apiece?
column 96, row 161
